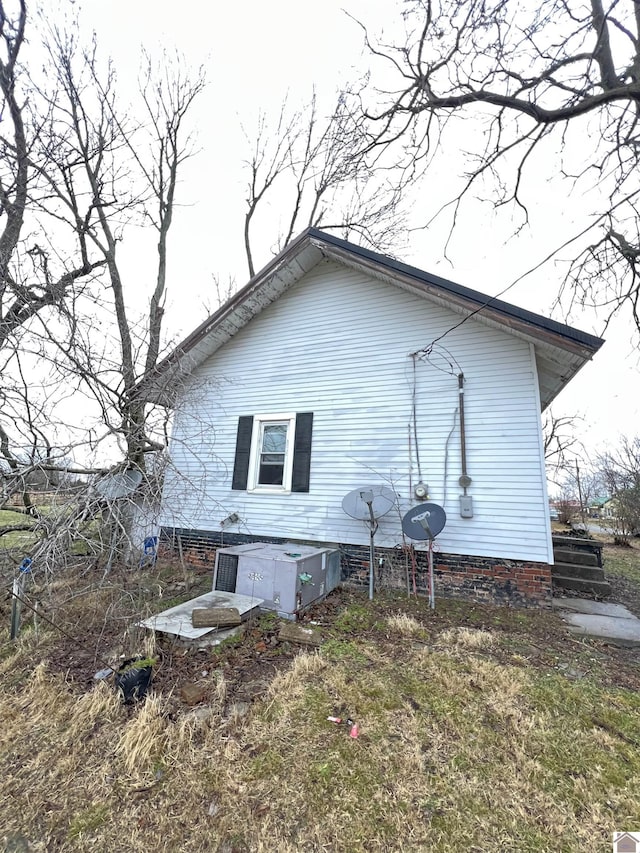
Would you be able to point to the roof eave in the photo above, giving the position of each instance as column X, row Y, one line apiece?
column 162, row 385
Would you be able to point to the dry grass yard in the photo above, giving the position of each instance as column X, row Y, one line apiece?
column 480, row 728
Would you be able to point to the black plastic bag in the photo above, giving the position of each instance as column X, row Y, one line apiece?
column 133, row 679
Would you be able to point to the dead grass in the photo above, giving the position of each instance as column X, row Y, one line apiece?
column 405, row 625
column 466, row 639
column 143, row 741
column 623, row 562
column 495, row 756
column 460, row 738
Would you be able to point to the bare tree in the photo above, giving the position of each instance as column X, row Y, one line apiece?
column 620, row 471
column 580, row 483
column 31, row 283
column 25, row 289
column 559, row 77
column 559, row 438
column 100, row 181
column 104, row 171
column 321, row 173
column 91, row 167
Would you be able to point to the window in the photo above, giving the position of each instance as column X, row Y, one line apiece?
column 271, row 462
column 273, row 453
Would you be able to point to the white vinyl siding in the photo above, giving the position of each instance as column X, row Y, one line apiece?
column 338, row 344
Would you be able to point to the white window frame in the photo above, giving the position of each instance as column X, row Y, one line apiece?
column 259, row 421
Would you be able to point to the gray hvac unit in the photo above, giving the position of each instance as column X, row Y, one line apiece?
column 288, row 577
column 226, row 566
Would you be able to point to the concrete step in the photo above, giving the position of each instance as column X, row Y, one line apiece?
column 602, row 588
column 576, row 542
column 569, row 555
column 573, row 570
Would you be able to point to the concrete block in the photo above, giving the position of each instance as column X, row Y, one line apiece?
column 294, row 633
column 215, row 617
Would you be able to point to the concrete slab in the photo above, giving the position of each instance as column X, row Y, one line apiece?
column 596, row 619
column 213, row 638
column 625, row 632
column 177, row 620
column 596, row 608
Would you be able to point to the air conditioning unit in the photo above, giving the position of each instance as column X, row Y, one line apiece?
column 288, row 577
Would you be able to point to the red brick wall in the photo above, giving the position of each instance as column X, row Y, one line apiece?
column 512, row 582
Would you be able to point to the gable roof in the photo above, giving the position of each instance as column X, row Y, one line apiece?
column 560, row 350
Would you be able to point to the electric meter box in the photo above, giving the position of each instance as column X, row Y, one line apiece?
column 288, row 577
column 466, row 506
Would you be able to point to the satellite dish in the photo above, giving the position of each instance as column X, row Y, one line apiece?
column 119, row 485
column 424, row 521
column 369, row 503
column 356, row 503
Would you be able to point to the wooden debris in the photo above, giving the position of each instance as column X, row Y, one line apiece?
column 215, row 617
column 293, row 633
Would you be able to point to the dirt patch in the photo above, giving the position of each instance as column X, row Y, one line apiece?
column 626, row 592
column 98, row 623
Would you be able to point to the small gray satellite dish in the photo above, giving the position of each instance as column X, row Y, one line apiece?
column 119, row 485
column 424, row 521
column 356, row 503
column 369, row 503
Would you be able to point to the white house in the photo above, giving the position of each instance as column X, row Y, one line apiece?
column 335, row 368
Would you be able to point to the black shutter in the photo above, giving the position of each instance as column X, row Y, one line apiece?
column 243, row 449
column 302, row 452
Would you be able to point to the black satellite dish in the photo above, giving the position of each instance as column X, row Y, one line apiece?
column 369, row 503
column 425, row 521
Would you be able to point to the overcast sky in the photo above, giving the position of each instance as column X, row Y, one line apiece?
column 254, row 53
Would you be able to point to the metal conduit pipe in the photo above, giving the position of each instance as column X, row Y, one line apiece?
column 463, row 444
column 466, row 504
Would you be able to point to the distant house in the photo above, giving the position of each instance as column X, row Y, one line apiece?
column 609, row 509
column 566, row 504
column 600, row 507
column 336, row 368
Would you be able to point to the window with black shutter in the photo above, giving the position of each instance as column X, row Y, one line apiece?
column 273, row 453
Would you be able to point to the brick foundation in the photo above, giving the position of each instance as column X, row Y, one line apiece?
column 511, row 582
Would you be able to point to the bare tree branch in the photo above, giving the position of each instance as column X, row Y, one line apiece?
column 525, row 74
column 327, row 177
